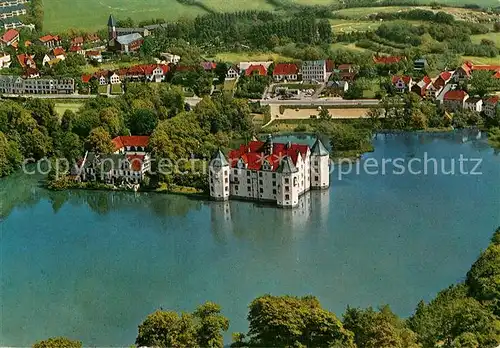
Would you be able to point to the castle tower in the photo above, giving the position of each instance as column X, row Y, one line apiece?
column 288, row 189
column 218, row 177
column 320, row 166
column 111, row 28
column 268, row 145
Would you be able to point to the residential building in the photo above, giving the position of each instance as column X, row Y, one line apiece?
column 314, row 71
column 10, row 23
column 94, row 55
column 12, row 11
column 346, row 72
column 245, row 65
column 420, row 88
column 131, row 144
column 50, row 41
column 402, row 83
column 455, row 100
column 18, row 85
column 114, row 79
column 267, row 171
column 77, row 41
column 286, row 72
column 92, row 39
column 6, row 3
column 31, row 73
column 256, row 70
column 5, row 60
column 26, row 60
column 330, row 65
column 10, row 38
column 77, row 49
column 170, row 58
column 420, row 64
column 491, row 106
column 337, row 88
column 443, row 79
column 208, row 66
column 233, row 72
column 474, row 104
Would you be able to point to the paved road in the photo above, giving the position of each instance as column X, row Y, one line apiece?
column 323, row 101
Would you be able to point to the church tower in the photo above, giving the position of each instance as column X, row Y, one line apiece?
column 218, row 177
column 111, row 28
column 320, row 166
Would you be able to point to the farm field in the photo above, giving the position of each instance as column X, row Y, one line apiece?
column 237, row 5
column 360, row 12
column 347, row 26
column 482, row 60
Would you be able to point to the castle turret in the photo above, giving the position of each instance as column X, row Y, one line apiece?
column 218, row 176
column 111, row 28
column 268, row 145
column 320, row 166
column 288, row 189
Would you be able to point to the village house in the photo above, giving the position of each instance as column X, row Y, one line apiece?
column 233, row 72
column 5, row 60
column 126, row 43
column 94, row 55
column 92, row 39
column 31, row 73
column 128, row 164
column 208, row 66
column 170, row 58
column 337, row 88
column 10, row 38
column 402, row 83
column 114, row 79
column 286, row 72
column 11, row 23
column 420, row 88
column 420, row 64
column 314, row 71
column 77, row 49
column 50, row 41
column 455, row 100
column 77, row 41
column 346, row 72
column 18, row 85
column 26, row 60
column 268, row 171
column 387, row 59
column 491, row 106
column 474, row 104
column 55, row 56
column 256, row 70
column 6, row 3
column 245, row 65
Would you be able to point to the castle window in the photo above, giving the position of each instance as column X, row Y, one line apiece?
column 249, row 188
column 226, row 180
column 287, row 197
column 274, row 175
column 294, row 181
column 287, row 180
column 236, row 187
column 236, row 172
column 316, row 178
column 260, row 174
column 316, row 163
column 227, row 188
column 274, row 183
column 260, row 182
column 261, row 190
column 248, row 181
column 248, row 173
column 274, row 192
column 287, row 188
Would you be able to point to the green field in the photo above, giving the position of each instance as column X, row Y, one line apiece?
column 495, row 37
column 236, row 57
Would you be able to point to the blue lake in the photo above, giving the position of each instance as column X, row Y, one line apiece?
column 92, row 265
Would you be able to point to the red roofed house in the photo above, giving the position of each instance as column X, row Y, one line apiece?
column 463, row 73
column 131, row 144
column 50, row 41
column 497, row 75
column 94, row 55
column 92, row 38
column 330, row 65
column 208, row 66
column 10, row 37
column 59, row 53
column 256, row 70
column 443, row 79
column 387, row 59
column 26, row 60
column 420, row 88
column 402, row 83
column 233, row 72
column 454, row 100
column 77, row 41
column 491, row 105
column 267, row 171
column 286, row 71
column 77, row 49
column 86, row 78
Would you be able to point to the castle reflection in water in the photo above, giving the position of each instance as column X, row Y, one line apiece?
column 244, row 218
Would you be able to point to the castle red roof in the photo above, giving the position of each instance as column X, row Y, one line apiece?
column 387, row 59
column 455, row 95
column 130, row 140
column 259, row 69
column 285, row 69
column 10, row 35
column 253, row 154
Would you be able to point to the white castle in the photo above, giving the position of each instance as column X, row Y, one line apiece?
column 267, row 171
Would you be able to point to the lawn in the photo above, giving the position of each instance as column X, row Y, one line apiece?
column 61, row 107
column 102, row 89
column 347, row 26
column 495, row 37
column 236, row 57
column 346, row 46
column 90, row 69
column 360, row 12
column 116, row 89
column 482, row 60
column 238, row 5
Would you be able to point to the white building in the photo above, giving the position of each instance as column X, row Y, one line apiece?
column 314, row 70
column 170, row 58
column 232, row 73
column 267, row 171
column 4, row 60
column 474, row 104
column 491, row 105
column 18, row 85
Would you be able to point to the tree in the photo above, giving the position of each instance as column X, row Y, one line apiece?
column 210, row 325
column 285, row 321
column 496, row 26
column 167, row 329
column 67, row 120
column 324, row 114
column 378, row 329
column 481, row 82
column 58, row 342
column 68, row 145
column 221, row 71
column 111, row 119
column 142, row 122
column 99, row 141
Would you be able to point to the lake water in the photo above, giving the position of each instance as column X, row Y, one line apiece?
column 92, row 265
